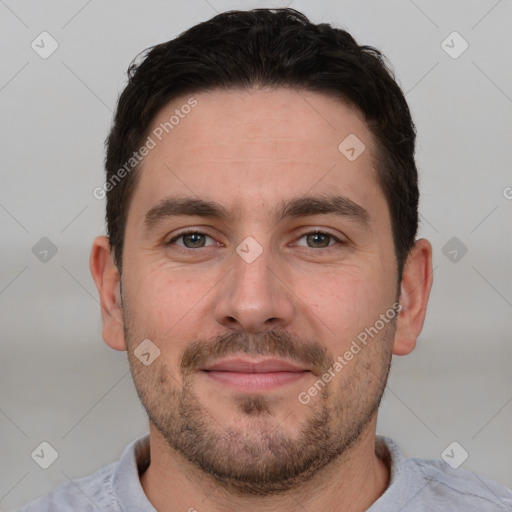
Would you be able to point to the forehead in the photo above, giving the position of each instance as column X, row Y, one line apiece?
column 252, row 149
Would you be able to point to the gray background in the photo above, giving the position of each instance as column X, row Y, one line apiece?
column 60, row 383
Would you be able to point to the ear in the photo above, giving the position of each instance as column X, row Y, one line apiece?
column 415, row 290
column 107, row 279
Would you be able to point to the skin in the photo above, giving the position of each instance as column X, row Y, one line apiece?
column 249, row 151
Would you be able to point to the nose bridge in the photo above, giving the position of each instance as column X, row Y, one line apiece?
column 252, row 297
column 251, row 271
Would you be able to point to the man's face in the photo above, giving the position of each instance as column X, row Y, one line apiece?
column 247, row 326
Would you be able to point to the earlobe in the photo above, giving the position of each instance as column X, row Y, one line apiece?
column 107, row 279
column 415, row 290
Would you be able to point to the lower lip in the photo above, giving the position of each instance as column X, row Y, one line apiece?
column 255, row 381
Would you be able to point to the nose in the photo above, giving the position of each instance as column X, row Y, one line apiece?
column 254, row 296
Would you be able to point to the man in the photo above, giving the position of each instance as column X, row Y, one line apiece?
column 260, row 270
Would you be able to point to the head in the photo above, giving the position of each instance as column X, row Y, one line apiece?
column 267, row 208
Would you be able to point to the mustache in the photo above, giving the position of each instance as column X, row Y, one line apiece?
column 271, row 343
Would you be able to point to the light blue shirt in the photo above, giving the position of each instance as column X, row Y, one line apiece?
column 416, row 485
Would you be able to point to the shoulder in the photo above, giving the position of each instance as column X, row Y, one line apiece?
column 113, row 488
column 422, row 485
column 86, row 494
column 457, row 489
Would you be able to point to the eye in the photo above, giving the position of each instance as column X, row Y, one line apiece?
column 198, row 240
column 319, row 239
column 191, row 240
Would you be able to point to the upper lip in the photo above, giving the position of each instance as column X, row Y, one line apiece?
column 243, row 365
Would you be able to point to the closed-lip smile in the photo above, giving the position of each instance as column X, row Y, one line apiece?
column 247, row 374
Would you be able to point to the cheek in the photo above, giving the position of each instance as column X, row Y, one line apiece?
column 165, row 296
column 347, row 303
column 165, row 309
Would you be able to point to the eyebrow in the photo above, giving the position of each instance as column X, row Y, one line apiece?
column 292, row 208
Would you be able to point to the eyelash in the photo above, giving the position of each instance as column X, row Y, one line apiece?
column 313, row 232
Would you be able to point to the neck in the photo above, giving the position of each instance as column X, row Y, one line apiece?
column 352, row 483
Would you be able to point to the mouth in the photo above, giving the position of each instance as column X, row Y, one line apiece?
column 254, row 375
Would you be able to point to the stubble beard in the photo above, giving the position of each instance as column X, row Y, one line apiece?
column 264, row 458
